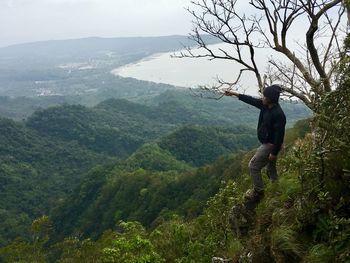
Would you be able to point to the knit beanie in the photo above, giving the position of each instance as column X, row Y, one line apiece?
column 273, row 93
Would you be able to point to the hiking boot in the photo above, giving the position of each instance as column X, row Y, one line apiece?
column 254, row 196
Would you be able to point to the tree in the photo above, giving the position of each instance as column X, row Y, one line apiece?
column 308, row 71
column 21, row 251
column 132, row 246
column 347, row 6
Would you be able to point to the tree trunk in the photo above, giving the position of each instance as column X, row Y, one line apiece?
column 347, row 6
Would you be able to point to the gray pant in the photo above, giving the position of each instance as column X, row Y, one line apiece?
column 259, row 161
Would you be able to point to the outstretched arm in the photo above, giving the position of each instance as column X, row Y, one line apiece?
column 245, row 98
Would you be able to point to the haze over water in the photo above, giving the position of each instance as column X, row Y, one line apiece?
column 187, row 72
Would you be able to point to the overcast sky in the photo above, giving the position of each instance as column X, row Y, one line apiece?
column 34, row 20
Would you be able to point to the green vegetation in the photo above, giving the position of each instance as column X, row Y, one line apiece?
column 45, row 157
column 295, row 222
column 148, row 187
column 99, row 88
column 227, row 111
column 35, row 172
column 202, row 145
column 52, row 73
column 161, row 181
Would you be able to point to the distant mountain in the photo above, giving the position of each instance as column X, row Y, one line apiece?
column 123, row 50
column 91, row 93
column 77, row 66
column 170, row 106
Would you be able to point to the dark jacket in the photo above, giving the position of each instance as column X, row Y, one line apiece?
column 272, row 122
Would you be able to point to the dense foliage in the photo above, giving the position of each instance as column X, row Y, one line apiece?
column 226, row 111
column 189, row 213
column 147, row 187
column 45, row 157
column 100, row 88
column 295, row 222
column 35, row 172
column 174, row 194
column 169, row 198
column 187, row 143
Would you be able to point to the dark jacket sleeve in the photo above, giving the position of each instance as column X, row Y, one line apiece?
column 279, row 130
column 250, row 100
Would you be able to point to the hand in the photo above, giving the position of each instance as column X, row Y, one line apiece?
column 231, row 93
column 272, row 157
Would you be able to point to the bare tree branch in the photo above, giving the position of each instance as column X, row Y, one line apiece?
column 334, row 37
column 310, row 38
column 307, row 76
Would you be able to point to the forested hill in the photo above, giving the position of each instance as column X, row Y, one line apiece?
column 124, row 50
column 35, row 171
column 119, row 127
column 185, row 210
column 176, row 104
column 192, row 214
column 152, row 185
column 44, row 158
column 117, row 170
